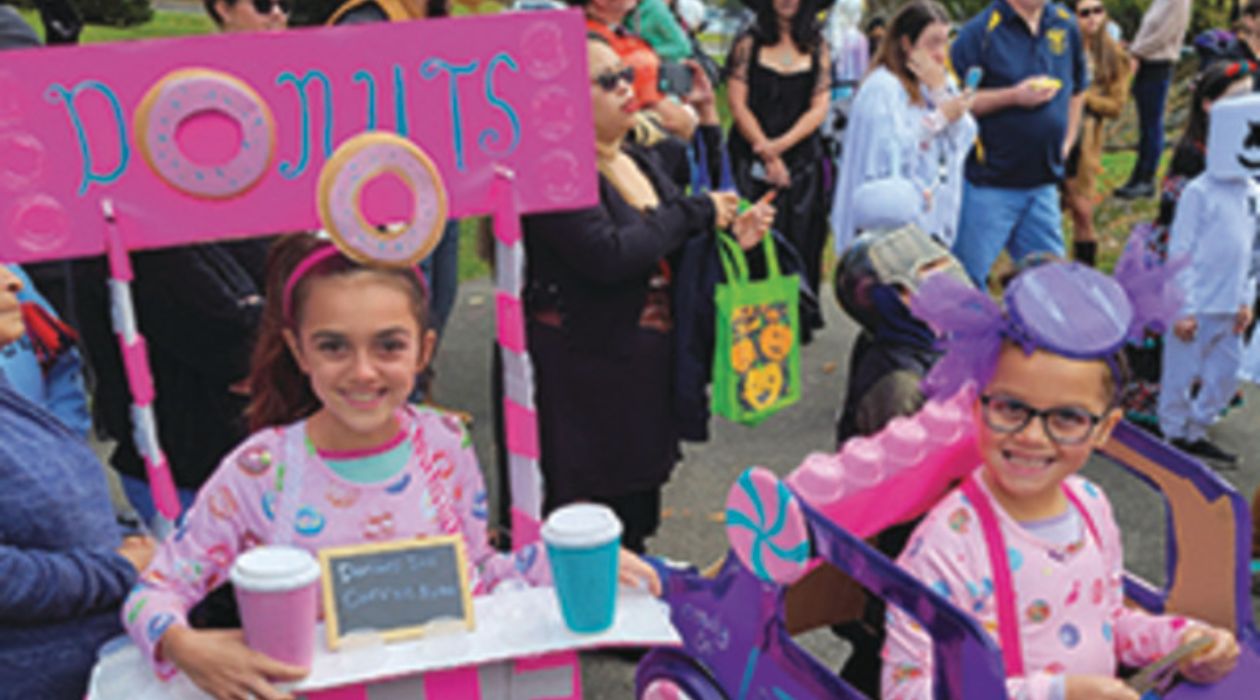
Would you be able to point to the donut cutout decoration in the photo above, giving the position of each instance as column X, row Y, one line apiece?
column 357, row 162
column 766, row 527
column 188, row 92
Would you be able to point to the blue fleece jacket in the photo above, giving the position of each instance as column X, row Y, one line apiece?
column 61, row 581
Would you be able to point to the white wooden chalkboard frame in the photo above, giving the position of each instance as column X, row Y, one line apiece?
column 332, row 625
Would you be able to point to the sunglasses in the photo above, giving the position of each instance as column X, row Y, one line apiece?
column 609, row 80
column 264, row 7
column 1087, row 11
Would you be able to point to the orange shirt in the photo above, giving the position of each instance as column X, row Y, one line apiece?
column 637, row 54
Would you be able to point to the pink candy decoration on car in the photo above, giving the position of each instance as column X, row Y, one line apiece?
column 896, row 475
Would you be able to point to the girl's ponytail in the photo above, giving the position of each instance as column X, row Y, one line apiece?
column 279, row 391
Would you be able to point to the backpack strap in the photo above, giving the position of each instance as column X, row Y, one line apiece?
column 999, row 562
column 1003, row 586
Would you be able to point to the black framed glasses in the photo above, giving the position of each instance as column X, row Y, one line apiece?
column 1066, row 425
column 609, row 80
column 1087, row 11
column 264, row 7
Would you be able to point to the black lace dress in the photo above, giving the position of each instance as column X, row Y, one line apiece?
column 778, row 100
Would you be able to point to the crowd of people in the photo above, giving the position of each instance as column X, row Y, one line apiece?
column 962, row 139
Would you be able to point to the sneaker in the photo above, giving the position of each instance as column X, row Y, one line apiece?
column 1135, row 190
column 1207, row 450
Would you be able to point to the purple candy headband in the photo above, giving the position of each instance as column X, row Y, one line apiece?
column 1066, row 308
column 313, row 259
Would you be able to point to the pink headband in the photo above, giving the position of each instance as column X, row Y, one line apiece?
column 317, row 256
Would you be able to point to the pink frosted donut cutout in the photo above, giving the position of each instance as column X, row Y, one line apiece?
column 189, row 91
column 357, row 162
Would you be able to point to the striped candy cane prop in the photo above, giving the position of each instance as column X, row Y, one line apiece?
column 135, row 357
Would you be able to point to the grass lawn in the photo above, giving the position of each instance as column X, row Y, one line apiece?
column 163, row 24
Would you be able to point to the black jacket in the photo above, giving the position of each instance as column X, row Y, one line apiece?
column 198, row 308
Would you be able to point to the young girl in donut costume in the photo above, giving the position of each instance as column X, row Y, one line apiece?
column 338, row 457
column 1026, row 545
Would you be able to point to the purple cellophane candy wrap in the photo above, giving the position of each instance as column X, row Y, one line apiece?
column 970, row 325
column 1068, row 309
column 1150, row 283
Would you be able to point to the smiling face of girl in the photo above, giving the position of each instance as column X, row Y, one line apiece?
column 1025, row 467
column 359, row 341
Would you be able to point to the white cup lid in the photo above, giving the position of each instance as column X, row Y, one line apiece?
column 581, row 525
column 274, row 568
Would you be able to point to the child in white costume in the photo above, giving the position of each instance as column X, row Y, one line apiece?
column 1215, row 228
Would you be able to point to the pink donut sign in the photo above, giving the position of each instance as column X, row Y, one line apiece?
column 186, row 93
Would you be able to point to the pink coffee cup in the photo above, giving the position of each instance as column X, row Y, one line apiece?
column 277, row 591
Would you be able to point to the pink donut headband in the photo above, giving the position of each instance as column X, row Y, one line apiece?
column 316, row 257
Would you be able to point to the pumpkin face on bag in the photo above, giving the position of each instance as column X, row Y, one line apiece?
column 743, row 354
column 776, row 342
column 762, row 386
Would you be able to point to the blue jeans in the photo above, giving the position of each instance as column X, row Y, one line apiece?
column 1022, row 221
column 1150, row 92
column 137, row 491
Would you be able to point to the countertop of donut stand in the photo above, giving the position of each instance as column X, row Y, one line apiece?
column 509, row 625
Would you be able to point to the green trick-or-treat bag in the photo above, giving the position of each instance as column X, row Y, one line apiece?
column 756, row 353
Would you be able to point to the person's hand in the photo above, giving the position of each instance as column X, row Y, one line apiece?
column 634, row 572
column 218, row 662
column 725, row 207
column 1133, row 65
column 138, row 549
column 928, row 71
column 1242, row 319
column 1097, row 688
column 955, row 107
column 777, row 173
column 1186, row 328
column 701, row 94
column 1213, row 663
column 752, row 226
column 768, row 150
column 1035, row 91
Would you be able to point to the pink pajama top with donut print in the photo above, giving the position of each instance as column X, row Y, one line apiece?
column 1068, row 599
column 276, row 489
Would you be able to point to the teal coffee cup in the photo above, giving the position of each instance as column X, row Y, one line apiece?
column 583, row 544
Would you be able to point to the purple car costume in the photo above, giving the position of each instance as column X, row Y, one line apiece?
column 1067, row 595
column 1049, row 591
column 277, row 488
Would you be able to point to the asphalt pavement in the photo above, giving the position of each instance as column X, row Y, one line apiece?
column 692, row 528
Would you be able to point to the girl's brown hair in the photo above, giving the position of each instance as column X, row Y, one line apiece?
column 279, row 392
column 909, row 22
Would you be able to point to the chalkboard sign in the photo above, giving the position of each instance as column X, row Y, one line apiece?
column 396, row 589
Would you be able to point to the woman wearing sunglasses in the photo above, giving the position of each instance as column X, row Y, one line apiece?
column 249, row 15
column 1104, row 100
column 597, row 299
